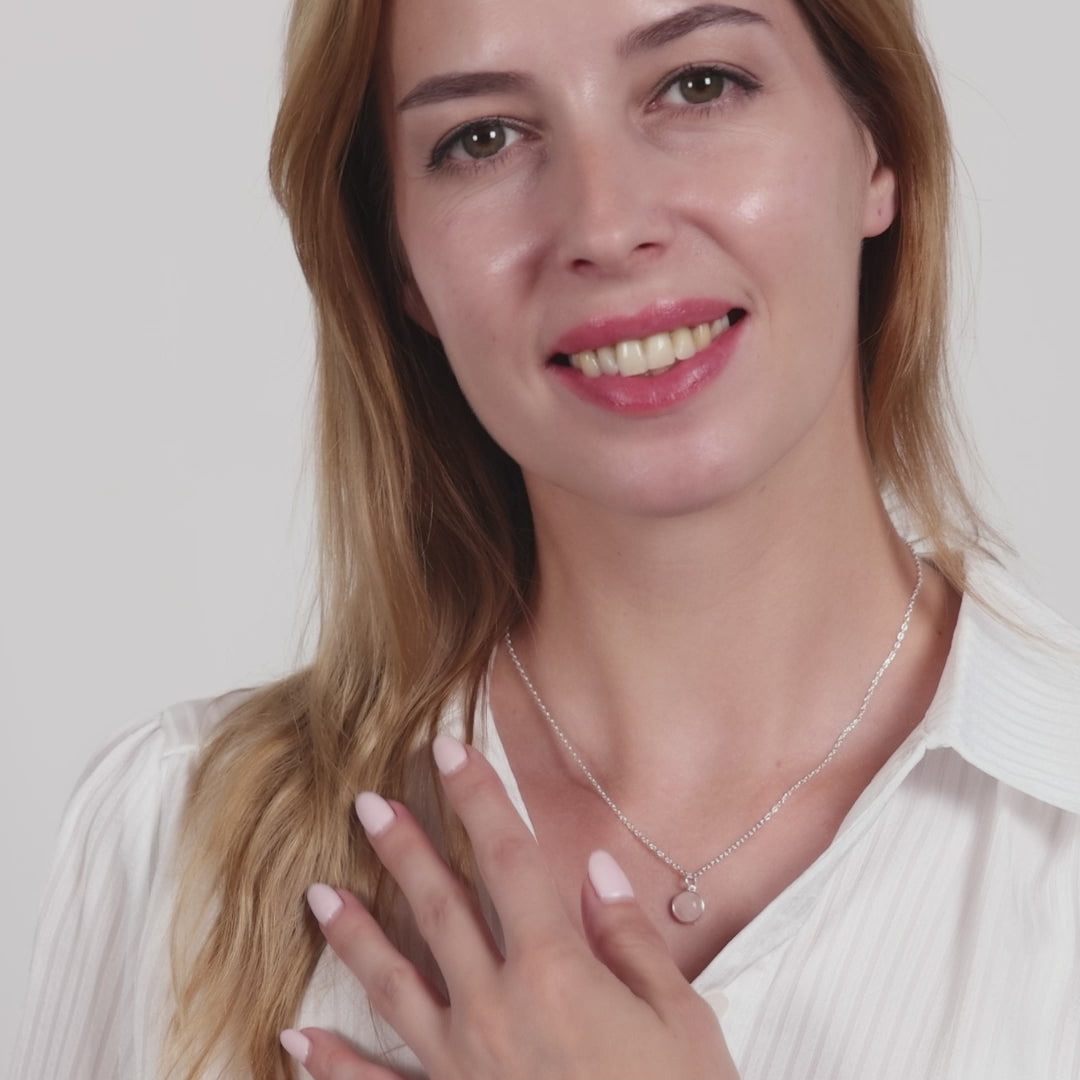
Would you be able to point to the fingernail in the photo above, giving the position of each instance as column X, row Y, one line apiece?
column 450, row 755
column 324, row 903
column 608, row 879
column 296, row 1045
column 374, row 812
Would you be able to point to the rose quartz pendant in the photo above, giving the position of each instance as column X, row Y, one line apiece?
column 688, row 906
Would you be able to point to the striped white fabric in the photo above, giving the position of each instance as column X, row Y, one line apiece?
column 937, row 938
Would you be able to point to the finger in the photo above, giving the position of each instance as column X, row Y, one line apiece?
column 447, row 916
column 624, row 938
column 327, row 1057
column 507, row 854
column 400, row 994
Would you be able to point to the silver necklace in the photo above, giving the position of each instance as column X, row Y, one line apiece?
column 687, row 906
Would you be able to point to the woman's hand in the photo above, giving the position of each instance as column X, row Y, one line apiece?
column 551, row 1009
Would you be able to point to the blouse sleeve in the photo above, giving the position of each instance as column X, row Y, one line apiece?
column 80, row 1018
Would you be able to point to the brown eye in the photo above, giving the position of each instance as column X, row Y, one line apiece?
column 701, row 87
column 484, row 140
column 698, row 89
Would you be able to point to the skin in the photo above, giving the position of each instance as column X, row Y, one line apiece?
column 737, row 539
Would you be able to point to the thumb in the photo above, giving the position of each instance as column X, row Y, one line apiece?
column 622, row 937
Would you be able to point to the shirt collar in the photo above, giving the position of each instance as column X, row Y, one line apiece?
column 1009, row 697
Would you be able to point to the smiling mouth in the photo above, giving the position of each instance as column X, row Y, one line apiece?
column 652, row 355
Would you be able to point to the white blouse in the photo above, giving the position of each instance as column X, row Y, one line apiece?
column 938, row 936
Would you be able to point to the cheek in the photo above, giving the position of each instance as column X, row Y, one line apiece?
column 796, row 199
column 789, row 216
column 786, row 220
column 463, row 246
column 467, row 268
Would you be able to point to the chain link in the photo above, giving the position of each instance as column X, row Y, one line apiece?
column 690, row 877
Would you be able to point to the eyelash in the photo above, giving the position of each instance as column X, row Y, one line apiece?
column 440, row 160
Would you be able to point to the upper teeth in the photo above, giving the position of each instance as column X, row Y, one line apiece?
column 655, row 353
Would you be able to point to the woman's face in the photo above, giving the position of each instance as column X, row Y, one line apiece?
column 600, row 178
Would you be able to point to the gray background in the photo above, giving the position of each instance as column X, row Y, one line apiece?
column 156, row 351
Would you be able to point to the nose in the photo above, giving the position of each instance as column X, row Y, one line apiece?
column 610, row 194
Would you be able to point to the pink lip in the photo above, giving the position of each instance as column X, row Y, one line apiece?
column 644, row 395
column 656, row 319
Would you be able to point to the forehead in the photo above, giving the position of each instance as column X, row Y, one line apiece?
column 423, row 35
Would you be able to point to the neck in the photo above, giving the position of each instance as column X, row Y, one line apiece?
column 745, row 634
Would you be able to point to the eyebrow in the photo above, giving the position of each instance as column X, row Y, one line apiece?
column 465, row 84
column 686, row 22
column 440, row 88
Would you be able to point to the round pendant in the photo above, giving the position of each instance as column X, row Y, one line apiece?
column 688, row 906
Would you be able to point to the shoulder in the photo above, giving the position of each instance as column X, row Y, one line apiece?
column 98, row 978
column 121, row 826
column 1009, row 699
column 125, row 810
column 178, row 732
column 147, row 765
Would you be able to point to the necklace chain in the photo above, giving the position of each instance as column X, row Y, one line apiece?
column 690, row 877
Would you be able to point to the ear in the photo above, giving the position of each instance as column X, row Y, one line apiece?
column 880, row 195
column 416, row 309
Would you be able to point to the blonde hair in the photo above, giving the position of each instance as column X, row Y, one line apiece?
column 426, row 538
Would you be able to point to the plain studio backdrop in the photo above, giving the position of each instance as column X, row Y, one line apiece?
column 156, row 356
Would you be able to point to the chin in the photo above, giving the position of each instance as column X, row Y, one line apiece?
column 667, row 492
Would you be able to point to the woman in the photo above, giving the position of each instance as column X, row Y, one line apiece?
column 631, row 319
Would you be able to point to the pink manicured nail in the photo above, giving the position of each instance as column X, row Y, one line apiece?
column 295, row 1044
column 324, row 903
column 608, row 879
column 450, row 755
column 374, row 812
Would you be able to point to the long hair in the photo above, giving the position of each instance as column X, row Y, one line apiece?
column 426, row 538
